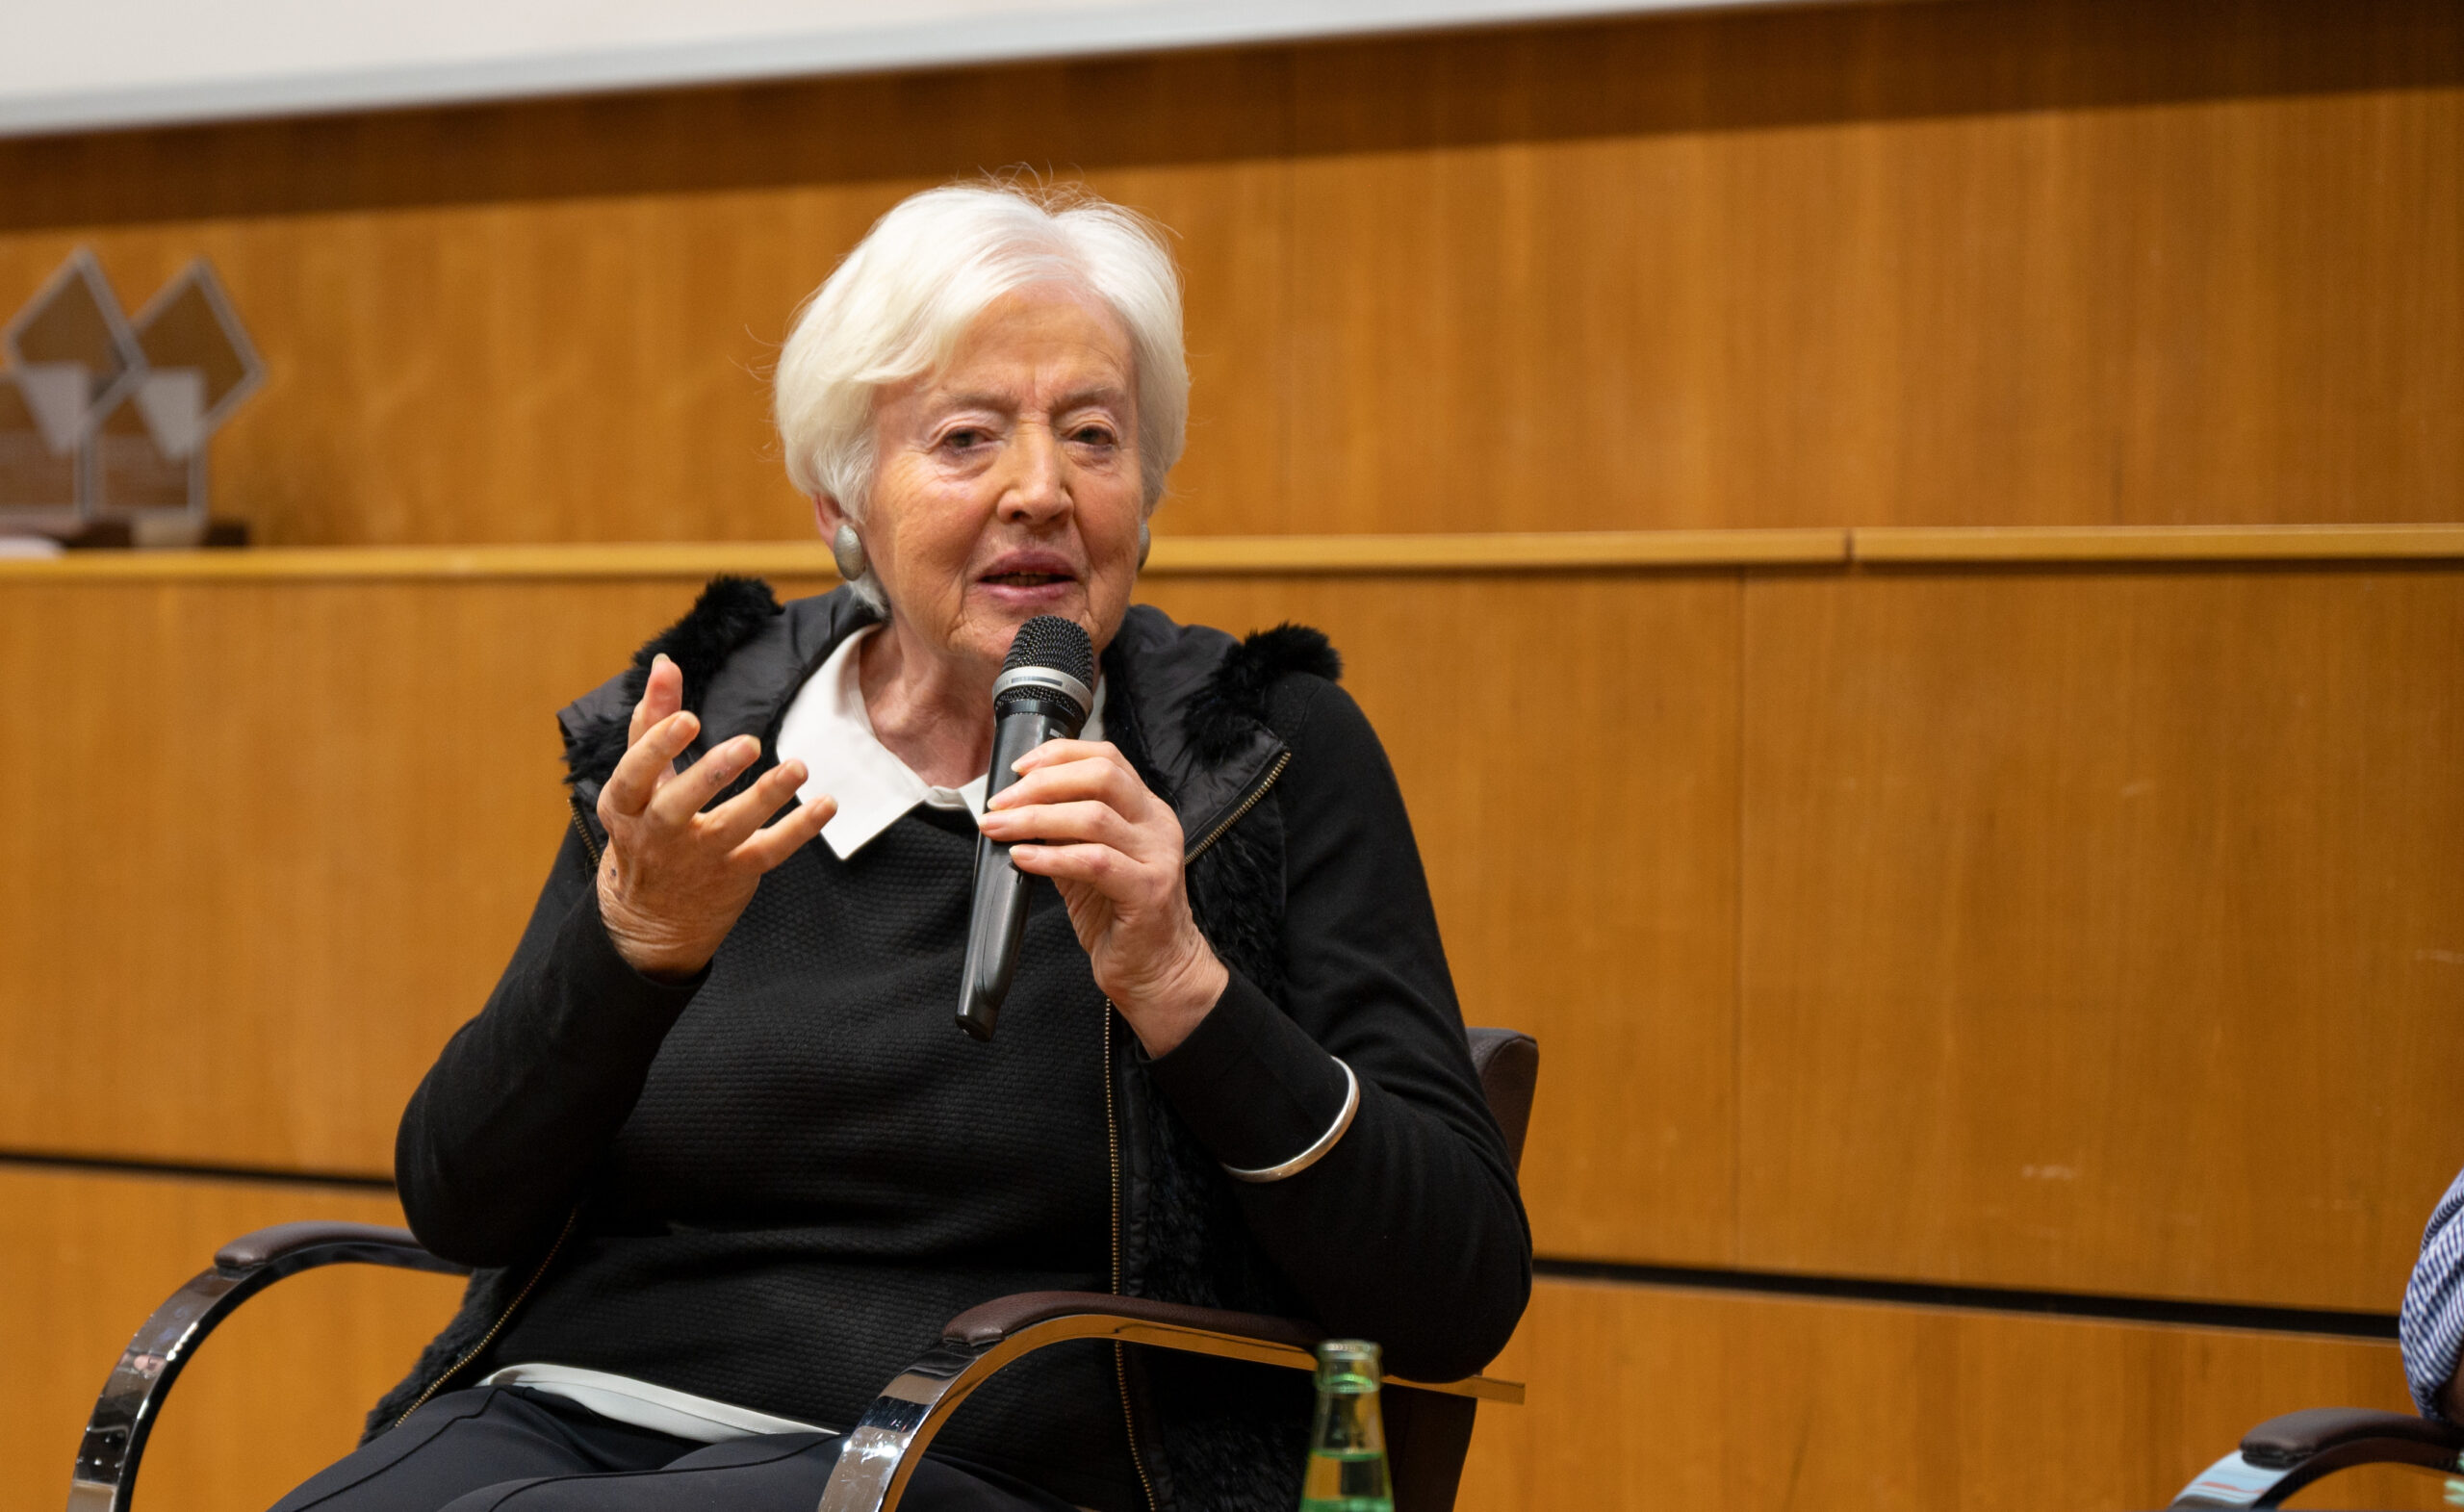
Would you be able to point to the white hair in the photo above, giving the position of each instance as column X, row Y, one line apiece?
column 899, row 304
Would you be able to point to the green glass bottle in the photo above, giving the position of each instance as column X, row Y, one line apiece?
column 1347, row 1441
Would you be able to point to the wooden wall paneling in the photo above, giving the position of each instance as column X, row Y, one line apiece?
column 569, row 368
column 554, row 321
column 2101, row 930
column 1640, row 1396
column 1568, row 747
column 281, row 836
column 2027, row 261
column 263, row 846
column 1229, row 220
column 2008, row 263
column 325, row 809
column 273, row 1394
column 1645, row 1397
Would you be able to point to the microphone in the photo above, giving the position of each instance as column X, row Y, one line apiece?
column 1045, row 691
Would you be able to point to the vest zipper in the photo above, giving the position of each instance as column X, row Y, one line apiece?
column 496, row 1328
column 1237, row 814
column 582, row 827
column 1111, row 1138
column 1121, row 1359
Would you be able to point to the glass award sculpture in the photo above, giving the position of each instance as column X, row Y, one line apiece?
column 105, row 420
column 70, row 358
column 149, row 450
column 38, row 485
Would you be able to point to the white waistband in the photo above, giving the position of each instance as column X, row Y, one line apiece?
column 621, row 1398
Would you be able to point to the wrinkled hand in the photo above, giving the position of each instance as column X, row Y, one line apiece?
column 673, row 880
column 1080, row 815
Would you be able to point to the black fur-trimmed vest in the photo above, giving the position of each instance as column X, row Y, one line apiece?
column 1187, row 705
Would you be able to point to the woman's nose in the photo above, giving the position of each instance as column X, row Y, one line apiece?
column 1037, row 488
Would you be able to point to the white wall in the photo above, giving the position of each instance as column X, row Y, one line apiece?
column 78, row 65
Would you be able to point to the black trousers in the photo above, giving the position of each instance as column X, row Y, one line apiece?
column 504, row 1447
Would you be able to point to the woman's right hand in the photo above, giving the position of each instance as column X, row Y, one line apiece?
column 673, row 880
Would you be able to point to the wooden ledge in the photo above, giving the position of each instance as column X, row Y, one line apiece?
column 1174, row 556
column 1552, row 550
column 1918, row 544
column 694, row 560
column 1285, row 555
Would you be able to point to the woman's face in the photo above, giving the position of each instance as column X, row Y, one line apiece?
column 1007, row 485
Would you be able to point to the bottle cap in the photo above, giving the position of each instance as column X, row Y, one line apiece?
column 1347, row 1365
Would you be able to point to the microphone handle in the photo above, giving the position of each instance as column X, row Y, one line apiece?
column 999, row 916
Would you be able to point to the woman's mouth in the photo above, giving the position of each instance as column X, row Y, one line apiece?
column 1029, row 577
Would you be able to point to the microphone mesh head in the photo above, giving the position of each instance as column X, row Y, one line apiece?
column 1050, row 641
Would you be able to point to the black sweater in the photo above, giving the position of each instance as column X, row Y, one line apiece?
column 819, row 1169
column 800, row 1139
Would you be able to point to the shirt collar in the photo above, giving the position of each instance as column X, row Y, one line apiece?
column 828, row 729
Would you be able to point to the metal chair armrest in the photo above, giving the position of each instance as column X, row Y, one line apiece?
column 304, row 1246
column 997, row 1319
column 882, row 1449
column 2284, row 1455
column 115, row 1441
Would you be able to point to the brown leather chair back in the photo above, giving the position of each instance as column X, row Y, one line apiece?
column 1508, row 1062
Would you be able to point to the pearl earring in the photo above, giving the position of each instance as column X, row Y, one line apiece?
column 1145, row 544
column 848, row 551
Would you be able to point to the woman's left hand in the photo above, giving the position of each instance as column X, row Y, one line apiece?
column 1080, row 814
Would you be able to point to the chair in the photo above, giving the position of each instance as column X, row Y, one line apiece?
column 2284, row 1455
column 1428, row 1425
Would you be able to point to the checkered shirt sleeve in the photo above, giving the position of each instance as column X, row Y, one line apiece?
column 2432, row 1323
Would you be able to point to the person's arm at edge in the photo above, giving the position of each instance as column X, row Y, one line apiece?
column 2431, row 1325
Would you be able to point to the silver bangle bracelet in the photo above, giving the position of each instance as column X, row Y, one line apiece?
column 1316, row 1152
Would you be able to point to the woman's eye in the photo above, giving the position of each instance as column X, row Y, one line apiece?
column 1092, row 435
column 965, row 438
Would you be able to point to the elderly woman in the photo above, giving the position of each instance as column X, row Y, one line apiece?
column 723, row 1158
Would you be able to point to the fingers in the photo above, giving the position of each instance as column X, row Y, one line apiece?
column 680, row 799
column 1058, row 753
column 769, row 847
column 1089, row 820
column 1100, row 777
column 1098, row 866
column 638, row 774
column 732, row 821
column 1080, row 812
column 663, row 694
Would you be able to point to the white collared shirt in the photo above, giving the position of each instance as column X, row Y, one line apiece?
column 828, row 729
